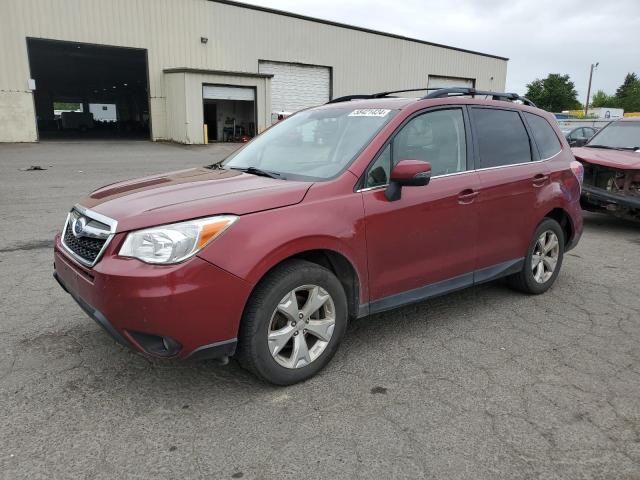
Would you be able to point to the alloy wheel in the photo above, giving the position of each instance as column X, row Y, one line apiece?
column 545, row 256
column 301, row 326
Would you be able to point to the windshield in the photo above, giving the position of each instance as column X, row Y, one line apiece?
column 624, row 135
column 313, row 144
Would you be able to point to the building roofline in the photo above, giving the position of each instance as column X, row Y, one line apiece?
column 217, row 72
column 351, row 27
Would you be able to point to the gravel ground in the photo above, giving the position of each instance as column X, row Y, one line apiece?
column 482, row 384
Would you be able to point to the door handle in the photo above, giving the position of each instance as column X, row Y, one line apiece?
column 467, row 196
column 540, row 180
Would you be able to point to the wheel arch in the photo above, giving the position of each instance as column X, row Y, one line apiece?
column 335, row 260
column 341, row 268
column 561, row 216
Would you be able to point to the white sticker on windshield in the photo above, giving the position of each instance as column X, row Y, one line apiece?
column 370, row 112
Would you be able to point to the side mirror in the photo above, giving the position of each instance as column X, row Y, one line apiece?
column 407, row 173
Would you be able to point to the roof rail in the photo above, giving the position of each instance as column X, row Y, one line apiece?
column 441, row 93
column 348, row 98
column 472, row 92
column 386, row 94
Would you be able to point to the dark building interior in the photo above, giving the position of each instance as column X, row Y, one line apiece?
column 89, row 91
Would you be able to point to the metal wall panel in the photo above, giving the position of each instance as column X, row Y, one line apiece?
column 176, row 103
column 170, row 30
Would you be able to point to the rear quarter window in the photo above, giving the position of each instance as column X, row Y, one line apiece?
column 502, row 137
column 544, row 136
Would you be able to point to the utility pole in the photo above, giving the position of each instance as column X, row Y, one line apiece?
column 586, row 105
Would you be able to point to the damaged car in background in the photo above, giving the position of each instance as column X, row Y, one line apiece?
column 611, row 161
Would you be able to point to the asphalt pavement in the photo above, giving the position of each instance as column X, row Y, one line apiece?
column 485, row 383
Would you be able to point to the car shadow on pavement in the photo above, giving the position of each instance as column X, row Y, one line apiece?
column 392, row 332
column 609, row 224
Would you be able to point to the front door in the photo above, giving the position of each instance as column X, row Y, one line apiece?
column 424, row 242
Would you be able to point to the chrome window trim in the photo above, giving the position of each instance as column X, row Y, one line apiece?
column 518, row 164
column 367, row 189
column 112, row 224
column 432, row 178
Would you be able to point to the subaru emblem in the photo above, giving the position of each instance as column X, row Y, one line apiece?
column 77, row 227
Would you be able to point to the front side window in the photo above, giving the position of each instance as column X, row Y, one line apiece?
column 379, row 172
column 618, row 135
column 544, row 135
column 313, row 144
column 502, row 137
column 437, row 137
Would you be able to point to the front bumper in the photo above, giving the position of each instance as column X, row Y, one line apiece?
column 192, row 309
column 602, row 198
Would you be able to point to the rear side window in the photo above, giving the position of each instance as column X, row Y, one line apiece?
column 544, row 136
column 502, row 137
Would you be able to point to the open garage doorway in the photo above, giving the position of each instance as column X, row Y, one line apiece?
column 229, row 112
column 89, row 91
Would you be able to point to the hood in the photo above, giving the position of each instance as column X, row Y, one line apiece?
column 192, row 193
column 620, row 159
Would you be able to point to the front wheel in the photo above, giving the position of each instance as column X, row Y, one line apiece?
column 543, row 261
column 293, row 323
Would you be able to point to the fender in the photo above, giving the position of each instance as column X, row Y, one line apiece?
column 258, row 242
column 303, row 245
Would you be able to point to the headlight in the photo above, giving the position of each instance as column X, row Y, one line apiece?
column 176, row 242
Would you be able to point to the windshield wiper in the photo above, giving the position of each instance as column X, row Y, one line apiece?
column 606, row 147
column 259, row 172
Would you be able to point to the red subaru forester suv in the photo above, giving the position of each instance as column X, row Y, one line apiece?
column 340, row 211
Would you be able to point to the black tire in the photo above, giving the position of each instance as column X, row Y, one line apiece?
column 253, row 350
column 524, row 281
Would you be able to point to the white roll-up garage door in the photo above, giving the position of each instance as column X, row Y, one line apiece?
column 294, row 87
column 218, row 92
column 436, row 81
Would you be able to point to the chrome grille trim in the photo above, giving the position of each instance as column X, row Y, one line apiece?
column 92, row 231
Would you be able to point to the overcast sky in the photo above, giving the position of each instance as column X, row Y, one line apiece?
column 539, row 37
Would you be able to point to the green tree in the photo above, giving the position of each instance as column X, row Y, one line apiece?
column 627, row 86
column 72, row 106
column 628, row 94
column 601, row 99
column 554, row 93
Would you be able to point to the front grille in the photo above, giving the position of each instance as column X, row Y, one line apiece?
column 85, row 238
column 85, row 247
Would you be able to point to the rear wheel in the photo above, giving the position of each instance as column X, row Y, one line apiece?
column 293, row 323
column 543, row 261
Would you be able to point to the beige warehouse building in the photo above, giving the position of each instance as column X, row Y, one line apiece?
column 162, row 69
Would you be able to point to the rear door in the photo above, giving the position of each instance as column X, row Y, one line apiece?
column 425, row 241
column 511, row 179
